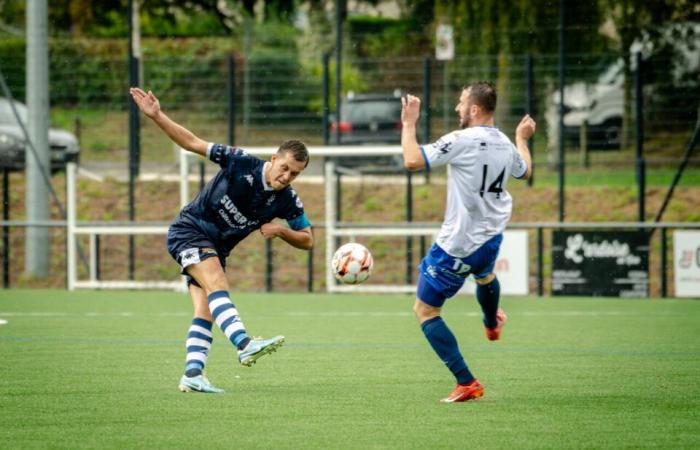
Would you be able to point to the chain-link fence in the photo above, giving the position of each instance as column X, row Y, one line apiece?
column 277, row 97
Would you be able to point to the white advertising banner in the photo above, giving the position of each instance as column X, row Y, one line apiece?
column 511, row 265
column 686, row 263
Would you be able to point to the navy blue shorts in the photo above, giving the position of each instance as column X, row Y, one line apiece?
column 188, row 245
column 441, row 275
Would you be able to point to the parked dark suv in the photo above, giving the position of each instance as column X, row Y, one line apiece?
column 63, row 144
column 368, row 119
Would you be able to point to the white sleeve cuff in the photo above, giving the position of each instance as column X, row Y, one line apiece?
column 209, row 147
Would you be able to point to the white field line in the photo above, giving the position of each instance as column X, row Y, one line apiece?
column 471, row 314
column 338, row 314
column 89, row 314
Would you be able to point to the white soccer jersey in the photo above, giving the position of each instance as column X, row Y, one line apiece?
column 481, row 159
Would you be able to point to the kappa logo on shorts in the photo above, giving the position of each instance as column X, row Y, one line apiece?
column 189, row 257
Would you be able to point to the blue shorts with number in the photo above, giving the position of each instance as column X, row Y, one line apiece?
column 442, row 275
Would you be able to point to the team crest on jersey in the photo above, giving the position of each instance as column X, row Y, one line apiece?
column 249, row 178
column 297, row 199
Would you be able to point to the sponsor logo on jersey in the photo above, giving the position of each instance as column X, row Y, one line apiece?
column 249, row 179
column 270, row 200
column 230, row 213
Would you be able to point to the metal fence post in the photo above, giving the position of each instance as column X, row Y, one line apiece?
column 664, row 268
column 231, row 94
column 134, row 153
column 409, row 218
column 530, row 86
column 540, row 262
column 426, row 100
column 268, row 265
column 310, row 269
column 639, row 112
column 339, row 18
column 562, row 80
column 326, row 106
column 338, row 201
column 5, row 228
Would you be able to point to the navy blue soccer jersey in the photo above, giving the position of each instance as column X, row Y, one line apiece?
column 237, row 201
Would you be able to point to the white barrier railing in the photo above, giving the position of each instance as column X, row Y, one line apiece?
column 333, row 229
column 74, row 228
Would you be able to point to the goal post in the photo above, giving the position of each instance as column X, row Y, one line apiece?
column 76, row 228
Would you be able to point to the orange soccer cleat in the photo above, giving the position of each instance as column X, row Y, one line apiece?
column 494, row 334
column 462, row 392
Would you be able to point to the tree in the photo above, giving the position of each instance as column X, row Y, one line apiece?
column 637, row 20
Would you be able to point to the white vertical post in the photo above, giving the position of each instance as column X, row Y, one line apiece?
column 184, row 177
column 329, row 187
column 93, row 257
column 37, row 206
column 184, row 190
column 70, row 224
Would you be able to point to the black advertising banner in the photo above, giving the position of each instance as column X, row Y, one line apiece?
column 600, row 263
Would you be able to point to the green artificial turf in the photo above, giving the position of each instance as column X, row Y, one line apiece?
column 100, row 370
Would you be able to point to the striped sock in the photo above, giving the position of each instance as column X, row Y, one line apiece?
column 198, row 343
column 226, row 317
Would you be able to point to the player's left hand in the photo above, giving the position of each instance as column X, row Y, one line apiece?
column 147, row 102
column 410, row 109
column 270, row 230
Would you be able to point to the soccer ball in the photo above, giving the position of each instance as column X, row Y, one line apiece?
column 352, row 263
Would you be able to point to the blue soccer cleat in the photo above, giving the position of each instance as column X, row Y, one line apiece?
column 197, row 384
column 258, row 347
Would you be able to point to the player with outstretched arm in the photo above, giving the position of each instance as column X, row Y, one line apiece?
column 247, row 194
column 481, row 159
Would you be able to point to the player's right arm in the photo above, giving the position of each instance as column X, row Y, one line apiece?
column 412, row 155
column 525, row 130
column 150, row 106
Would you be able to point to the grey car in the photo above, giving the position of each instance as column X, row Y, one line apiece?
column 63, row 144
column 368, row 119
